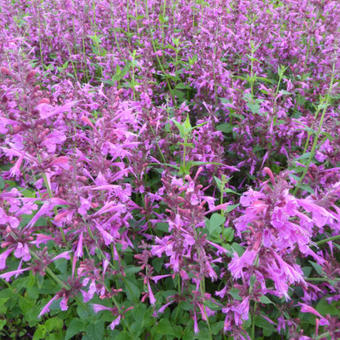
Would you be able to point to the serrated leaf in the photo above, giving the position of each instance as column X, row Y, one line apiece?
column 217, row 219
column 228, row 234
column 3, row 308
column 132, row 270
column 75, row 327
column 54, row 324
column 317, row 267
column 132, row 290
column 235, row 293
column 231, row 207
column 225, row 127
column 264, row 299
column 2, row 324
column 164, row 327
column 94, row 331
column 332, row 308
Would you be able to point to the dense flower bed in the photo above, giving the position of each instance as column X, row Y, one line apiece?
column 169, row 169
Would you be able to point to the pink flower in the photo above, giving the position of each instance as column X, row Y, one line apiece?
column 115, row 323
column 46, row 308
column 308, row 309
column 237, row 264
column 22, row 251
column 8, row 275
column 3, row 257
column 151, row 296
column 98, row 308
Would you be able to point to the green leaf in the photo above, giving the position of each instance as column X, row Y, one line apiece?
column 84, row 311
column 2, row 183
column 164, row 327
column 94, row 331
column 284, row 92
column 265, row 300
column 122, row 336
column 132, row 270
column 214, row 225
column 54, row 324
column 3, row 308
column 317, row 268
column 239, row 249
column 217, row 219
column 2, row 324
column 161, row 226
column 75, row 327
column 228, row 234
column 132, row 290
column 40, row 333
column 268, row 328
column 306, row 271
column 324, row 308
column 231, row 207
column 225, row 127
column 235, row 293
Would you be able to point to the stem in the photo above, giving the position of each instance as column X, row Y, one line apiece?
column 316, row 139
column 158, row 147
column 50, row 273
column 253, row 322
column 163, row 19
column 50, row 195
column 163, row 70
column 324, row 335
column 72, row 62
column 202, row 289
column 321, row 279
column 332, row 238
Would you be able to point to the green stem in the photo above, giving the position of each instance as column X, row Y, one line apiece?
column 321, row 279
column 50, row 273
column 164, row 73
column 253, row 322
column 324, row 104
column 332, row 238
column 324, row 335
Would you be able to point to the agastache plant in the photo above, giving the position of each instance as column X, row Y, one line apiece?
column 169, row 168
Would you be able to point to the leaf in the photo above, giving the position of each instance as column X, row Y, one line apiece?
column 122, row 336
column 225, row 127
column 217, row 219
column 75, row 327
column 54, row 324
column 324, row 308
column 268, row 328
column 264, row 299
column 164, row 327
column 230, row 191
column 40, row 333
column 317, row 268
column 3, row 308
column 235, row 293
column 2, row 183
column 214, row 224
column 284, row 92
column 83, row 311
column 306, row 271
column 132, row 291
column 132, row 270
column 94, row 331
column 161, row 226
column 231, row 207
column 239, row 249
column 228, row 234
column 2, row 324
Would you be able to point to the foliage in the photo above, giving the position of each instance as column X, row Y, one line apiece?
column 169, row 169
